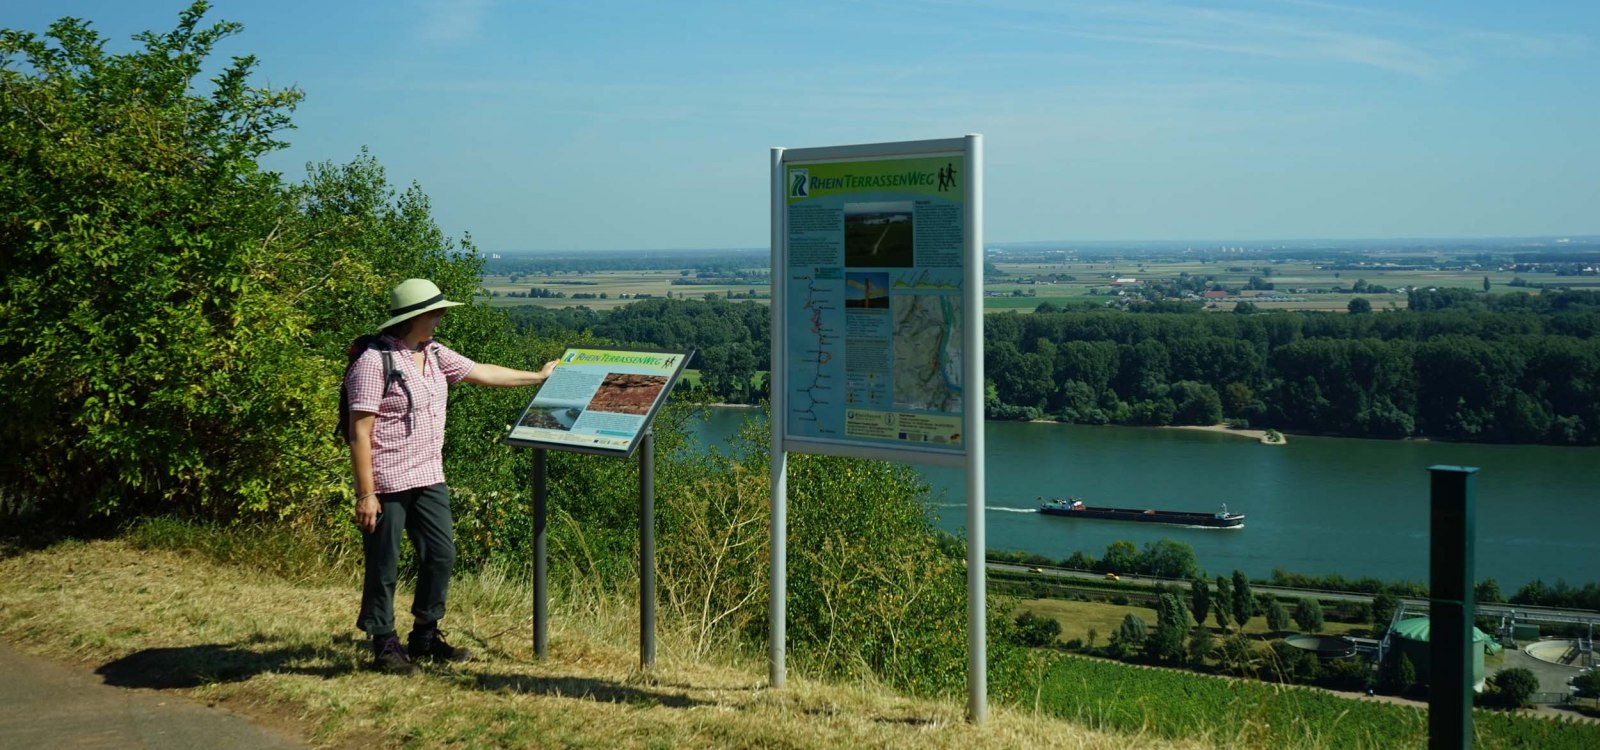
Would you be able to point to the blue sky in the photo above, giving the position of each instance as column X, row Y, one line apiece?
column 622, row 125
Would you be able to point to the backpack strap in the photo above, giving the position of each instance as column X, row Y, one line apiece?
column 391, row 374
column 394, row 375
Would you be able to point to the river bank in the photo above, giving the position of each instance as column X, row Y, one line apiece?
column 1265, row 437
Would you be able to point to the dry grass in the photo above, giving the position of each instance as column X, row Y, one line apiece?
column 287, row 653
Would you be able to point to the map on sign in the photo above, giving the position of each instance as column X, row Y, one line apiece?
column 927, row 355
column 874, row 271
column 598, row 401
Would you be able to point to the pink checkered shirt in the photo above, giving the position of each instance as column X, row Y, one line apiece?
column 407, row 450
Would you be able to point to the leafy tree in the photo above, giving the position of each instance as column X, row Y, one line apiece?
column 1223, row 603
column 1588, row 683
column 150, row 278
column 1237, row 655
column 1513, row 687
column 1242, row 601
column 1277, row 616
column 1172, row 624
column 1359, row 306
column 1201, row 646
column 1239, row 401
column 1197, row 403
column 1397, row 674
column 1308, row 614
column 1535, row 592
column 1383, row 608
column 1037, row 631
column 1168, row 559
column 1132, row 633
column 1290, row 664
column 1348, row 674
column 1486, row 285
column 1121, row 557
column 1199, row 599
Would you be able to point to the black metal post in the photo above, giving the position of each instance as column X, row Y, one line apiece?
column 647, row 550
column 1452, row 549
column 541, row 600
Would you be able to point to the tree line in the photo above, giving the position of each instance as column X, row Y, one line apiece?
column 1462, row 366
column 1512, row 368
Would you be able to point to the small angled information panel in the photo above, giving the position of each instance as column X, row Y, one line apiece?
column 598, row 401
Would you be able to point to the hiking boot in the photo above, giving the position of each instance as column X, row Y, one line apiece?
column 388, row 657
column 427, row 642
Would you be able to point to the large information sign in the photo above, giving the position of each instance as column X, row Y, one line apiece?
column 598, row 401
column 874, row 273
column 877, row 333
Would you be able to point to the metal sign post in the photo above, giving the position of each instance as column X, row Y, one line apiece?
column 647, row 550
column 972, row 421
column 647, row 554
column 1450, row 557
column 778, row 534
column 541, row 598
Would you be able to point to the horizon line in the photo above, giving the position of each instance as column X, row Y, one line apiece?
column 1581, row 238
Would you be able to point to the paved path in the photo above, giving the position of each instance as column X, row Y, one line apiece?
column 44, row 704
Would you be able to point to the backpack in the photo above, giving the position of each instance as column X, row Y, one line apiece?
column 391, row 375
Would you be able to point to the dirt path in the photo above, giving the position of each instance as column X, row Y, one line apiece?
column 47, row 704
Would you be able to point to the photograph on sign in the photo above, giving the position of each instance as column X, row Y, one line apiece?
column 874, row 270
column 598, row 400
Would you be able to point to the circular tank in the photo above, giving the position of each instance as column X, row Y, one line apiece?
column 1326, row 647
column 1410, row 637
column 1555, row 651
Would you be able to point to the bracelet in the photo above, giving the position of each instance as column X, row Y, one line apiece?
column 369, row 494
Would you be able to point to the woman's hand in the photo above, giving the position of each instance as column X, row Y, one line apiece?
column 367, row 510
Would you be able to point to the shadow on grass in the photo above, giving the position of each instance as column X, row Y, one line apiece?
column 600, row 691
column 193, row 666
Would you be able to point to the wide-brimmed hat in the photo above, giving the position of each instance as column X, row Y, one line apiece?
column 414, row 297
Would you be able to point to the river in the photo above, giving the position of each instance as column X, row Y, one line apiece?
column 1314, row 506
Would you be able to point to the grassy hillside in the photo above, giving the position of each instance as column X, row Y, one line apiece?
column 274, row 639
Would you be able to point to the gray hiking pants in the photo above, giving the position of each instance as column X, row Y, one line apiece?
column 423, row 514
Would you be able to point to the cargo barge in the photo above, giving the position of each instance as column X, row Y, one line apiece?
column 1074, row 508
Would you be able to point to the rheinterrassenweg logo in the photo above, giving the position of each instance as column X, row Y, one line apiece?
column 797, row 183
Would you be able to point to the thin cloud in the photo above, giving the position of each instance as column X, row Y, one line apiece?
column 446, row 22
column 1306, row 30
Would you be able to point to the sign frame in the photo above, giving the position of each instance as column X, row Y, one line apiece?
column 971, row 296
column 970, row 148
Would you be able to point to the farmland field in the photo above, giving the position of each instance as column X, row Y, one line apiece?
column 1022, row 285
column 619, row 288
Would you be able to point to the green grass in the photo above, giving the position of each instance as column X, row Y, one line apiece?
column 1171, row 703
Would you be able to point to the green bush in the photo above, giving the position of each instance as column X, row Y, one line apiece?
column 175, row 315
column 1513, row 687
column 1036, row 631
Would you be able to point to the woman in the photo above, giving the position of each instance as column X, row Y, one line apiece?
column 396, row 446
